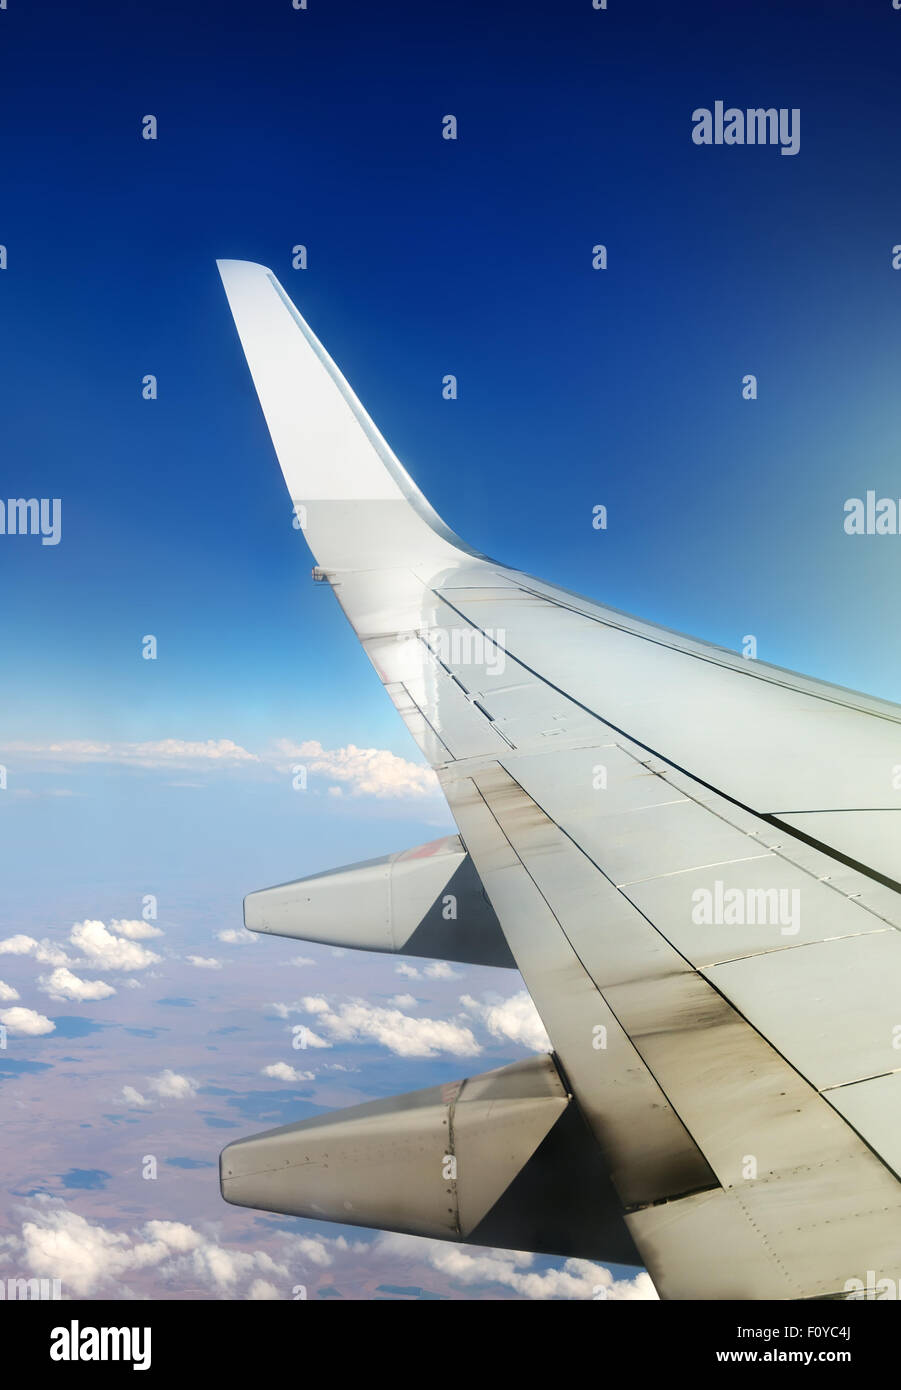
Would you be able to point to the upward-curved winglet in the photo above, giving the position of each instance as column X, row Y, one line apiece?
column 357, row 504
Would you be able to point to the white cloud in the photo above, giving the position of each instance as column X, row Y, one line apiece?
column 101, row 949
column 7, row 993
column 170, row 1086
column 94, row 1260
column 515, row 1018
column 357, row 1021
column 440, row 970
column 62, row 984
column 45, row 952
column 133, row 1097
column 205, row 962
column 374, row 772
column 282, row 1071
column 261, row 1288
column 301, row 961
column 361, row 771
column 223, row 1268
column 317, row 1250
column 91, row 1260
column 468, row 1264
column 239, row 937
column 25, row 1022
column 175, row 1234
column 105, row 951
column 403, row 1001
column 135, row 930
column 310, row 1039
column 409, row 972
column 61, row 1244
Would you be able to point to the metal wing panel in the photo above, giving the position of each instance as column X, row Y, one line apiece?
column 872, row 1108
column 831, row 1008
column 648, row 1152
column 817, row 1203
column 759, row 740
column 867, row 837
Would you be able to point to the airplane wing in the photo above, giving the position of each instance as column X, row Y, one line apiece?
column 693, row 859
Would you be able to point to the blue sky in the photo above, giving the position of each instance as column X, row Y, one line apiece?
column 426, row 257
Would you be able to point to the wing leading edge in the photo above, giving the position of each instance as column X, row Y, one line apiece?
column 705, row 910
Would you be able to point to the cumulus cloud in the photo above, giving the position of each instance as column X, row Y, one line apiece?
column 357, row 1021
column 92, row 1260
column 261, row 1288
column 133, row 1097
column 409, row 972
column 301, row 961
column 104, row 950
column 135, row 931
column 515, row 1018
column 512, row 1269
column 170, row 1086
column 101, row 948
column 315, row 1004
column 205, row 962
column 62, row 984
column 59, row 1243
column 374, row 772
column 440, row 970
column 403, row 1001
column 7, row 993
column 310, row 1039
column 25, row 1022
column 283, row 1071
column 237, row 937
column 317, row 1250
column 359, row 771
column 45, row 952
